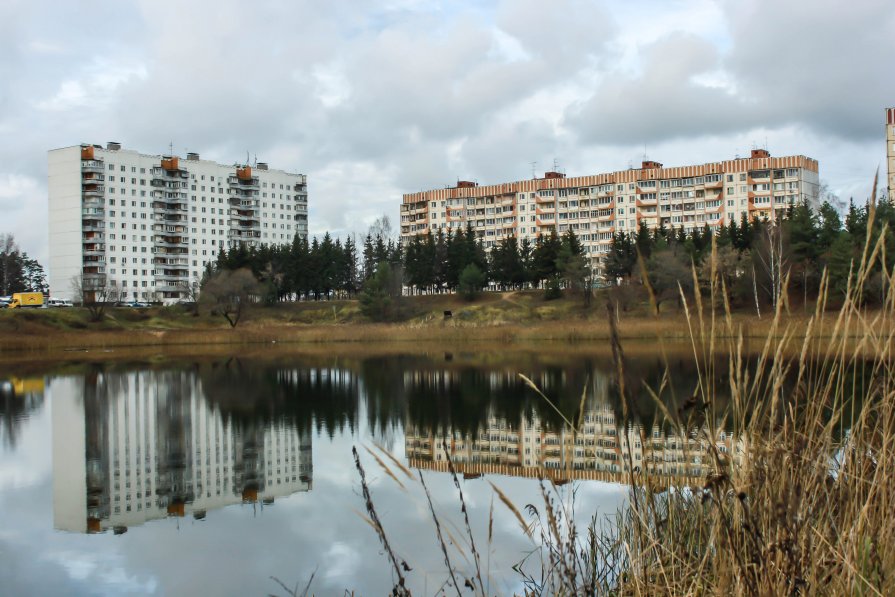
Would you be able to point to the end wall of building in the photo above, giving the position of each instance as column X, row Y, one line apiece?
column 65, row 242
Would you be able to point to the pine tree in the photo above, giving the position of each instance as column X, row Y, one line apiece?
column 369, row 266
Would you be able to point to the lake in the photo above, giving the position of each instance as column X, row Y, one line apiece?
column 184, row 474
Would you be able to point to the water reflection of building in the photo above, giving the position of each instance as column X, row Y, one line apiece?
column 601, row 449
column 133, row 447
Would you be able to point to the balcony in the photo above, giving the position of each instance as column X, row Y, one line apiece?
column 171, row 286
column 248, row 184
column 93, row 250
column 93, row 190
column 166, row 263
column 92, row 177
column 244, row 233
column 171, row 242
column 179, row 251
column 172, row 278
column 92, row 226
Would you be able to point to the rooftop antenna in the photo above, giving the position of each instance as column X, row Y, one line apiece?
column 533, row 173
column 255, row 162
column 247, row 158
column 171, row 148
column 555, row 165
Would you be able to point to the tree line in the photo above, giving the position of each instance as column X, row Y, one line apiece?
column 433, row 263
column 18, row 271
column 759, row 261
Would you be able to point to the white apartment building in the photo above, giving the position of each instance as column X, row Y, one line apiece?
column 597, row 206
column 890, row 150
column 148, row 224
column 133, row 447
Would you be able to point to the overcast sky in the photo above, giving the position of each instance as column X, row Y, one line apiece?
column 373, row 99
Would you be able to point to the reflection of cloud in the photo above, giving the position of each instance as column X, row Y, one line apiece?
column 341, row 560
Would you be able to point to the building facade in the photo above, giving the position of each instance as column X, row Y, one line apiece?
column 890, row 150
column 148, row 224
column 597, row 206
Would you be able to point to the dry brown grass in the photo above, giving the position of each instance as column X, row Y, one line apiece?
column 36, row 339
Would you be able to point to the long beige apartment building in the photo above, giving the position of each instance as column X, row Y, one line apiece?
column 890, row 150
column 599, row 205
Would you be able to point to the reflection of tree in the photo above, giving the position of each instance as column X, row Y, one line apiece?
column 15, row 410
column 435, row 393
column 252, row 390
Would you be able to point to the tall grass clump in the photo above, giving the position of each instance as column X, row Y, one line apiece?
column 805, row 502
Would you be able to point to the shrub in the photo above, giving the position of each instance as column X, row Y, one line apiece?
column 472, row 279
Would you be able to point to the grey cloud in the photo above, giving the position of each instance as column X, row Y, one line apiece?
column 410, row 95
column 817, row 65
column 824, row 64
column 663, row 101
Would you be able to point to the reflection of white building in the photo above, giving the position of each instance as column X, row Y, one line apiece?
column 602, row 447
column 133, row 447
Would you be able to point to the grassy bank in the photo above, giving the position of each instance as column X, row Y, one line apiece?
column 496, row 318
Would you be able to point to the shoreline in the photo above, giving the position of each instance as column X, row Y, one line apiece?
column 260, row 332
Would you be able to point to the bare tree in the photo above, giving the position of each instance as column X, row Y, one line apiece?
column 770, row 254
column 95, row 293
column 382, row 226
column 230, row 293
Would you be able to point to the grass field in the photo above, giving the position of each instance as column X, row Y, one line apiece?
column 515, row 317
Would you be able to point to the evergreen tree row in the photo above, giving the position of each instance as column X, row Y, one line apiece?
column 432, row 263
column 754, row 256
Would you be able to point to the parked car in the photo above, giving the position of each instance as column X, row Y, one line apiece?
column 57, row 302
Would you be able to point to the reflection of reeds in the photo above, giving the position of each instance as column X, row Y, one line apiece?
column 399, row 588
column 803, row 504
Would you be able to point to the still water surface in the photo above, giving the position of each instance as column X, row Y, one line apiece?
column 212, row 475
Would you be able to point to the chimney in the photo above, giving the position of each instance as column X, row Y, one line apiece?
column 760, row 153
column 650, row 165
column 554, row 175
column 113, row 145
column 466, row 184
